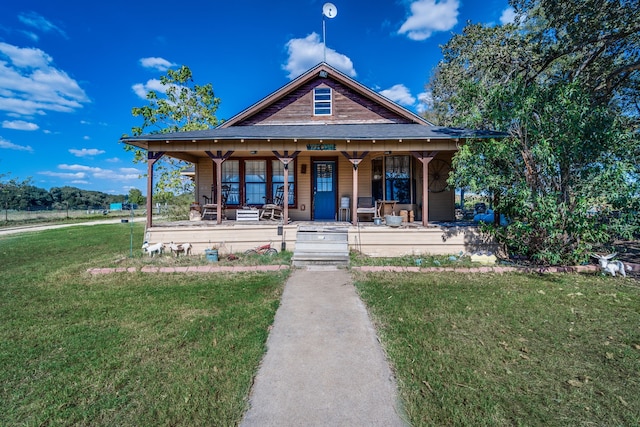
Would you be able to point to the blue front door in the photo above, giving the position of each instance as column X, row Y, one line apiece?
column 324, row 190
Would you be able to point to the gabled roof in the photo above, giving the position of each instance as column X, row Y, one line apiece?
column 239, row 128
column 324, row 70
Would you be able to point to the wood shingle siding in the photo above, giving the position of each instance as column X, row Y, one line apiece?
column 349, row 107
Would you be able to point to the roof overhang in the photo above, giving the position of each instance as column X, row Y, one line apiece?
column 313, row 133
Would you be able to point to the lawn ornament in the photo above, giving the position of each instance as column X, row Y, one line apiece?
column 611, row 267
column 177, row 248
column 156, row 248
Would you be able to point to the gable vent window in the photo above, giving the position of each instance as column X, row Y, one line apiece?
column 322, row 101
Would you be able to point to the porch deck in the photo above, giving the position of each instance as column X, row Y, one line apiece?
column 366, row 237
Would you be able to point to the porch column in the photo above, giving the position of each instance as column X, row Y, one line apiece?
column 218, row 163
column 425, row 158
column 355, row 158
column 354, row 202
column 286, row 158
column 285, row 212
column 152, row 158
column 218, row 158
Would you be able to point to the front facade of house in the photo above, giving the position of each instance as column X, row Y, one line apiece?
column 331, row 143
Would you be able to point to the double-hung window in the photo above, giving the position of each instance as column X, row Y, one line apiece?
column 255, row 181
column 231, row 177
column 322, row 102
column 252, row 181
column 392, row 179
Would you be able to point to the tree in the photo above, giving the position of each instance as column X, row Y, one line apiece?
column 563, row 83
column 135, row 196
column 183, row 106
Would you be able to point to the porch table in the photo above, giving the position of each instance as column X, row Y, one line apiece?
column 247, row 215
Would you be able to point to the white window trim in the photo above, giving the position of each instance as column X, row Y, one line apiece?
column 317, row 101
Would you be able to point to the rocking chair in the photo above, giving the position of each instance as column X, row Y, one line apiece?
column 210, row 210
column 274, row 210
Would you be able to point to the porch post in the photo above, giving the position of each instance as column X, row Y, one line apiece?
column 218, row 163
column 218, row 158
column 355, row 160
column 286, row 158
column 354, row 202
column 285, row 213
column 425, row 158
column 152, row 158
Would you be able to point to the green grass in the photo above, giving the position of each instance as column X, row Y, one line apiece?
column 182, row 349
column 124, row 349
column 501, row 350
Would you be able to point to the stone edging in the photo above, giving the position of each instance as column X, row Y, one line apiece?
column 388, row 268
column 188, row 269
column 483, row 269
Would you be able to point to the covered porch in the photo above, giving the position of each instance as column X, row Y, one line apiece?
column 320, row 179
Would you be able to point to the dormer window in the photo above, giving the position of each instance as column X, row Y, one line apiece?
column 322, row 101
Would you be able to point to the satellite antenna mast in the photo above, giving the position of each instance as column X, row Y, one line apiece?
column 329, row 11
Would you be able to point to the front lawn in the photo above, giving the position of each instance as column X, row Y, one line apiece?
column 501, row 350
column 124, row 349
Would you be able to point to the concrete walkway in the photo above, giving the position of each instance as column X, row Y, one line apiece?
column 324, row 365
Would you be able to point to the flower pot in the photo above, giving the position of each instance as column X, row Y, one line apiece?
column 211, row 254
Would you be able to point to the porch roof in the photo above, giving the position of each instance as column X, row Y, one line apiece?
column 325, row 132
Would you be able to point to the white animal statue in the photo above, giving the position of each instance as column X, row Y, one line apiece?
column 156, row 248
column 611, row 267
column 177, row 248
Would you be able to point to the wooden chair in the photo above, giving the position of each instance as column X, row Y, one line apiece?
column 210, row 210
column 366, row 206
column 274, row 209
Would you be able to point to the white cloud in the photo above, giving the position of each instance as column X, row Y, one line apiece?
column 40, row 23
column 155, row 63
column 308, row 52
column 82, row 168
column 120, row 174
column 429, row 16
column 508, row 16
column 86, row 152
column 31, row 85
column 113, row 160
column 25, row 57
column 86, row 138
column 64, row 175
column 33, row 36
column 130, row 171
column 19, row 125
column 400, row 94
column 11, row 146
column 141, row 89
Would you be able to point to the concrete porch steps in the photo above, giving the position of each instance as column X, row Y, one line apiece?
column 321, row 245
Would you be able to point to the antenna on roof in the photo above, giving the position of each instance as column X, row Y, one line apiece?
column 329, row 11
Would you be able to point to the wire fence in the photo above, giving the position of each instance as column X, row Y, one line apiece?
column 10, row 216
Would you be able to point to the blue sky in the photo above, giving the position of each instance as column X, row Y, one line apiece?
column 71, row 73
